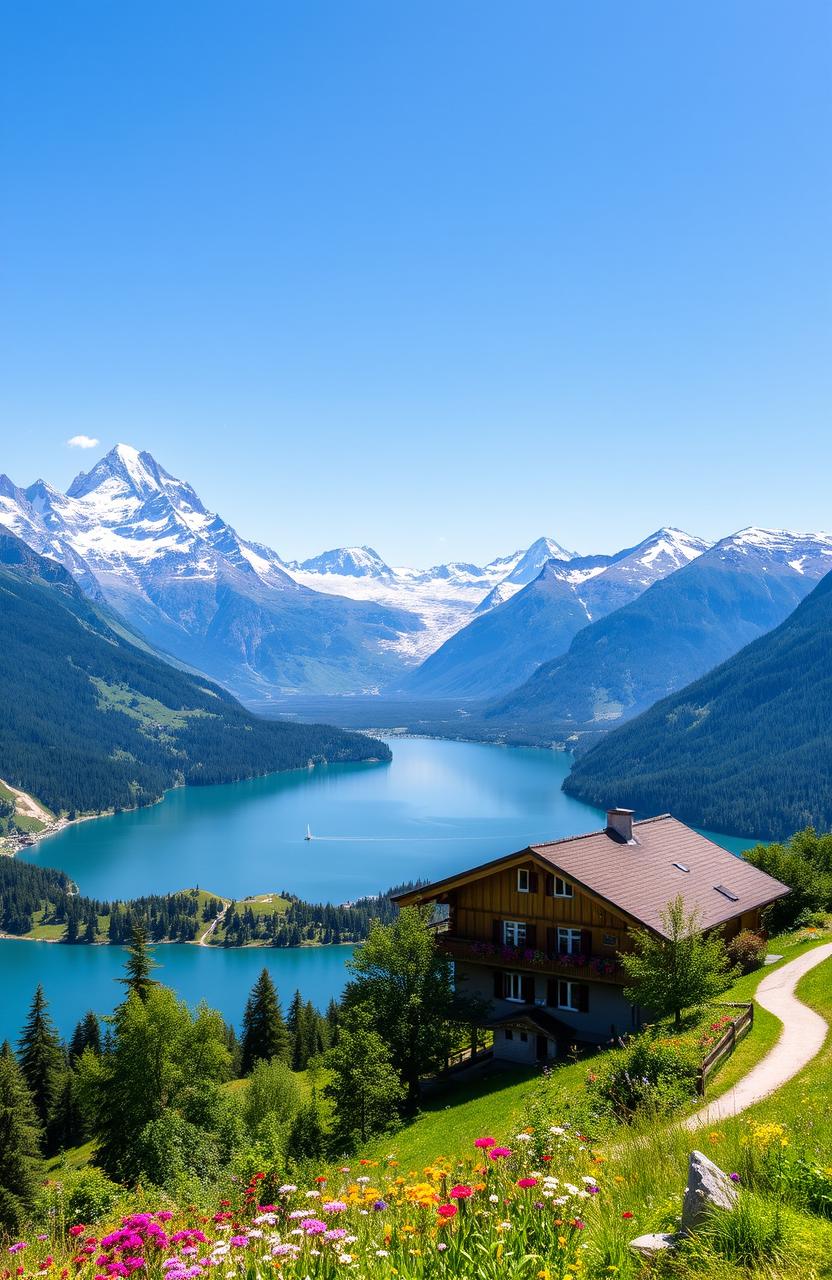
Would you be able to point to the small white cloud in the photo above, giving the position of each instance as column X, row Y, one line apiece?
column 82, row 442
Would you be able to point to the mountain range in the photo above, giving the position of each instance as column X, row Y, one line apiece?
column 679, row 628
column 92, row 720
column 747, row 748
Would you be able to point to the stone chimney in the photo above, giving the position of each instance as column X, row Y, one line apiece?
column 620, row 824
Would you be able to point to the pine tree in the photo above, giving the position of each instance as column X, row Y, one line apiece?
column 139, row 964
column 87, row 1035
column 20, row 1163
column 264, row 1031
column 40, row 1057
column 682, row 970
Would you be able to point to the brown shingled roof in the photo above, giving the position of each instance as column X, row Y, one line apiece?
column 642, row 876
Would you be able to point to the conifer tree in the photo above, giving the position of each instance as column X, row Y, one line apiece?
column 20, row 1162
column 294, row 1021
column 139, row 964
column 41, row 1058
column 87, row 1035
column 264, row 1031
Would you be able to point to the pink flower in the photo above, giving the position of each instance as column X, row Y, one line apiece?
column 334, row 1206
column 484, row 1143
column 499, row 1153
column 527, row 1182
column 16, row 1248
column 77, row 1230
column 313, row 1226
column 447, row 1210
column 460, row 1192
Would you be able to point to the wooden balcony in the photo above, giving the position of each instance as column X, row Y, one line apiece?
column 532, row 959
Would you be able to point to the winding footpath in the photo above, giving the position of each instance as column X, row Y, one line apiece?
column 802, row 1037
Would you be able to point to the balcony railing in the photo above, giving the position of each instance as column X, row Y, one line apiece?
column 569, row 964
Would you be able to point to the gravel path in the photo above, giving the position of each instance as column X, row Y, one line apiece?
column 803, row 1034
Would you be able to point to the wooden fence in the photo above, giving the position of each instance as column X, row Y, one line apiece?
column 726, row 1044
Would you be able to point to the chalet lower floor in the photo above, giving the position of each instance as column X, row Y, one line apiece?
column 536, row 1017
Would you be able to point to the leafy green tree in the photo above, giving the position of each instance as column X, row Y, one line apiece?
column 139, row 965
column 264, row 1031
column 805, row 865
column 307, row 1133
column 158, row 1051
column 272, row 1092
column 40, row 1057
column 364, row 1088
column 404, row 983
column 20, row 1161
column 682, row 970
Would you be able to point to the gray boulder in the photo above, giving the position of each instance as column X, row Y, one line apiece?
column 708, row 1188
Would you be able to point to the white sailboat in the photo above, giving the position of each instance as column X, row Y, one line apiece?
column 308, row 835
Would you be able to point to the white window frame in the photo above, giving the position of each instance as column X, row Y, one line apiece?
column 570, row 995
column 513, row 982
column 569, row 941
column 514, row 933
column 522, row 880
column 563, row 889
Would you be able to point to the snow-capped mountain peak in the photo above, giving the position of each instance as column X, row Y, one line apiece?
column 349, row 562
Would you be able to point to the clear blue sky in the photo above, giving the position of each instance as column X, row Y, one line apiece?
column 435, row 276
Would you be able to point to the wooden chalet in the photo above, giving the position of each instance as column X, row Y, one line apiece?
column 538, row 933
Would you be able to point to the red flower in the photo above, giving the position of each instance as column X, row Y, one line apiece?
column 77, row 1230
column 461, row 1192
column 628, row 1214
column 447, row 1210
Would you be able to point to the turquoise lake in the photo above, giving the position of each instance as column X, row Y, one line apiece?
column 438, row 807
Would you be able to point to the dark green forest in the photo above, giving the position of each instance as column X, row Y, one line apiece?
column 32, row 895
column 92, row 722
column 745, row 749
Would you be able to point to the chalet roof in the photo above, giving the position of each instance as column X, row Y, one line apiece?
column 640, row 877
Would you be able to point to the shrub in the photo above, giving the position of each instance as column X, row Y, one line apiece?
column 747, row 950
column 272, row 1090
column 650, row 1075
column 81, row 1195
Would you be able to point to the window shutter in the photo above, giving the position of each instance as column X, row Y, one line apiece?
column 582, row 993
column 531, row 935
column 586, row 941
column 497, row 931
column 552, row 993
column 499, row 989
column 532, row 882
column 550, row 886
column 527, row 987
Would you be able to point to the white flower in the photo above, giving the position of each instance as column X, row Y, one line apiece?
column 504, row 1225
column 313, row 1195
column 590, row 1182
column 522, row 1137
column 556, row 1129
column 287, row 1188
column 382, row 1253
column 494, row 1199
column 364, row 1179
column 571, row 1188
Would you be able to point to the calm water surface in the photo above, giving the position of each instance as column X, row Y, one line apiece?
column 438, row 807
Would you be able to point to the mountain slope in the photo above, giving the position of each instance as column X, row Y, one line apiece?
column 504, row 645
column 90, row 721
column 142, row 539
column 677, row 630
column 746, row 749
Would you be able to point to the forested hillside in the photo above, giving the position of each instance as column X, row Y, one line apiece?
column 91, row 721
column 746, row 749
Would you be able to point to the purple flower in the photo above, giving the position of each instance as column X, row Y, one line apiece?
column 313, row 1226
column 735, row 1177
column 378, row 1205
column 334, row 1206
column 335, row 1233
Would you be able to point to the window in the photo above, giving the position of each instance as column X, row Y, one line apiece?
column 610, row 939
column 680, row 866
column 514, row 932
column 513, row 987
column 524, row 1037
column 726, row 893
column 573, row 996
column 563, row 888
column 509, row 1035
column 522, row 880
column 569, row 940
